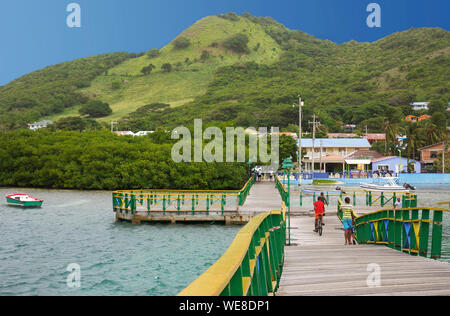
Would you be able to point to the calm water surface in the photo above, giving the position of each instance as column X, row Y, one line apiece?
column 37, row 245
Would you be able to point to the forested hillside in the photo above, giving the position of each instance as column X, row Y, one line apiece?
column 349, row 83
column 51, row 90
column 242, row 70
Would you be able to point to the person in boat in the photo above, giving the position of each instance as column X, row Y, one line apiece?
column 398, row 203
column 348, row 216
column 319, row 209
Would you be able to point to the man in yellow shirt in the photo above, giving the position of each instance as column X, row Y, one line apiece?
column 348, row 215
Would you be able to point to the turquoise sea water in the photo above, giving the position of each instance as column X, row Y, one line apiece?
column 37, row 246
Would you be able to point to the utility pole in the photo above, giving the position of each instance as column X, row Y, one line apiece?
column 300, row 158
column 315, row 125
column 320, row 155
column 443, row 157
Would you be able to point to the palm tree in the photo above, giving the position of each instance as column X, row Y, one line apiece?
column 412, row 140
column 392, row 131
column 434, row 133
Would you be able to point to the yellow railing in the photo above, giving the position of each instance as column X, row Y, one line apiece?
column 408, row 229
column 180, row 200
column 251, row 266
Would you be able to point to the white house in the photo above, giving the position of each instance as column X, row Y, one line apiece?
column 38, row 125
column 143, row 133
column 420, row 106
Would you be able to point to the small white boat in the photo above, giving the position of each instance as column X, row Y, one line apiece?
column 386, row 184
column 23, row 200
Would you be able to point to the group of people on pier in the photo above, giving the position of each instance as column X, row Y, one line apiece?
column 348, row 217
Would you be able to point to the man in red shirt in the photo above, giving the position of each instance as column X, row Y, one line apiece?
column 319, row 209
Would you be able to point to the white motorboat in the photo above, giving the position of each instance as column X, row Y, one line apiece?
column 387, row 184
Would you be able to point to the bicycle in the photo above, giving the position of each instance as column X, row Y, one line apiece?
column 319, row 227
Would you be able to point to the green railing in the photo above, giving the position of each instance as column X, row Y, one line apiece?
column 413, row 230
column 371, row 198
column 251, row 266
column 180, row 201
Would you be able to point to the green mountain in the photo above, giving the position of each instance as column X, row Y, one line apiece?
column 242, row 70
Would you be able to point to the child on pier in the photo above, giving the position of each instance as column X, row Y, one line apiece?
column 319, row 209
column 348, row 215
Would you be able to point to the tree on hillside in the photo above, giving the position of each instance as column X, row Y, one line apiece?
column 181, row 42
column 73, row 123
column 437, row 106
column 237, row 43
column 229, row 16
column 95, row 109
column 205, row 55
column 153, row 53
column 167, row 67
column 147, row 69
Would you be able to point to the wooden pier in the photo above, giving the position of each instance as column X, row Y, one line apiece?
column 317, row 265
column 323, row 265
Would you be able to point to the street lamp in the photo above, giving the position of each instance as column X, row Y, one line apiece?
column 287, row 165
column 400, row 169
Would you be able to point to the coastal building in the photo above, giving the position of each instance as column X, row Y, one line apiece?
column 329, row 154
column 411, row 118
column 420, row 106
column 423, row 118
column 143, row 133
column 396, row 164
column 124, row 133
column 251, row 131
column 38, row 125
column 429, row 154
column 372, row 138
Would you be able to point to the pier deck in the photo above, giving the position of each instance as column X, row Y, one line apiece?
column 317, row 265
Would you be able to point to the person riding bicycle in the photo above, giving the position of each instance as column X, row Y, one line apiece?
column 319, row 209
column 348, row 215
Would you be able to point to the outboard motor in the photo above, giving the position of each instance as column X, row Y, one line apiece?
column 408, row 186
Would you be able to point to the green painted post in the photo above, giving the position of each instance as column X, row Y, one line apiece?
column 222, row 203
column 236, row 283
column 193, row 204
column 398, row 230
column 114, row 201
column 126, row 203
column 148, row 204
column 178, row 204
column 133, row 204
column 394, row 199
column 424, row 234
column 382, row 199
column 436, row 238
column 207, row 205
column 354, row 198
column 164, row 204
column 391, row 228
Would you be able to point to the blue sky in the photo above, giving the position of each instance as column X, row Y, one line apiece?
column 34, row 34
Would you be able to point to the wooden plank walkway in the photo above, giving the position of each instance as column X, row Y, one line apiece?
column 324, row 266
